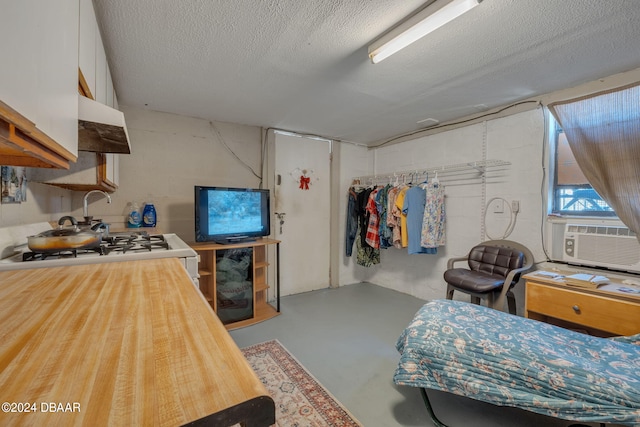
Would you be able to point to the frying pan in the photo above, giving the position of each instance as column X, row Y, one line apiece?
column 66, row 238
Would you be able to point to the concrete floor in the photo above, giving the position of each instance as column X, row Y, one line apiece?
column 346, row 338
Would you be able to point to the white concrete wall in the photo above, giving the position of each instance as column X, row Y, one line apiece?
column 44, row 203
column 170, row 154
column 518, row 139
column 354, row 161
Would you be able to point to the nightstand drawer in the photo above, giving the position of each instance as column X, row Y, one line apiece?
column 612, row 315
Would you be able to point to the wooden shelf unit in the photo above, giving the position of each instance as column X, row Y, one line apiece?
column 209, row 253
column 605, row 311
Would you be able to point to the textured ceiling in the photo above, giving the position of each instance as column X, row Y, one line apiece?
column 302, row 65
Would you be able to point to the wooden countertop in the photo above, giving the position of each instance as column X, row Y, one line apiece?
column 263, row 241
column 119, row 344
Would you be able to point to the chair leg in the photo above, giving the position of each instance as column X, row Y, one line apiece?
column 475, row 300
column 511, row 302
column 450, row 292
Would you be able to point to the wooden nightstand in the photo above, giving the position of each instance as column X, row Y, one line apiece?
column 606, row 311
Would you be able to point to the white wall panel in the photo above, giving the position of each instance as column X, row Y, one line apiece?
column 517, row 139
column 171, row 154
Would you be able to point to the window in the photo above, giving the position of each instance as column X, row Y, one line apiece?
column 572, row 193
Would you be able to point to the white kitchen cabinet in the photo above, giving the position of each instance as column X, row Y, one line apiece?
column 92, row 171
column 87, row 45
column 110, row 90
column 101, row 71
column 92, row 57
column 112, row 173
column 39, row 81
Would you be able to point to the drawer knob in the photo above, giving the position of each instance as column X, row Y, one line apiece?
column 576, row 308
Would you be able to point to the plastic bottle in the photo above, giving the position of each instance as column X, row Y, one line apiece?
column 149, row 217
column 134, row 220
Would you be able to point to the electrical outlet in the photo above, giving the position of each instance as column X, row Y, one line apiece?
column 515, row 206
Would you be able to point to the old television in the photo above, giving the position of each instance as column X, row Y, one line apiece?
column 231, row 215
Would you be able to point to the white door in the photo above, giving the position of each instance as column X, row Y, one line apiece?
column 302, row 193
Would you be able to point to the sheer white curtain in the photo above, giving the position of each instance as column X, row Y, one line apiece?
column 603, row 131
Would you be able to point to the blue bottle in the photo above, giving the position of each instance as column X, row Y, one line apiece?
column 133, row 219
column 149, row 218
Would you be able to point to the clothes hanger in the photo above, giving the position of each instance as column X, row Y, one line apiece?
column 424, row 183
column 412, row 177
column 435, row 181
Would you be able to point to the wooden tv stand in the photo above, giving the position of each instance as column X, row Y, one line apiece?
column 253, row 306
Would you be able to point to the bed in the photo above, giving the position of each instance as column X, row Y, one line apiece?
column 506, row 360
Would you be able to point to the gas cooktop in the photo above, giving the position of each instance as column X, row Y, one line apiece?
column 127, row 246
column 123, row 242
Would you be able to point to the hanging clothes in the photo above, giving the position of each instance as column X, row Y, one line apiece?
column 433, row 223
column 386, row 233
column 413, row 209
column 393, row 217
column 363, row 215
column 351, row 231
column 373, row 227
column 366, row 255
column 402, row 218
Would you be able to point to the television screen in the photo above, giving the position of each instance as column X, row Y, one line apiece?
column 228, row 215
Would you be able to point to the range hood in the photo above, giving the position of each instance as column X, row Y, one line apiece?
column 101, row 129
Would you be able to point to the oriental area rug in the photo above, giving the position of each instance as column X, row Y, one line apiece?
column 301, row 401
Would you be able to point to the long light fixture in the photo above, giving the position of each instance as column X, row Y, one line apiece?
column 419, row 25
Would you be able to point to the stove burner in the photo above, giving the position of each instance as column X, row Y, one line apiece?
column 119, row 246
column 116, row 244
column 69, row 253
column 155, row 241
column 137, row 243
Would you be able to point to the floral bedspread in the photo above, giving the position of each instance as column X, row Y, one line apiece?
column 506, row 360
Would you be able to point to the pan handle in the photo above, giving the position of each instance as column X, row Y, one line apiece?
column 62, row 220
column 101, row 227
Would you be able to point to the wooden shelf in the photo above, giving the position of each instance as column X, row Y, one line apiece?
column 23, row 144
column 211, row 254
column 259, row 287
column 262, row 312
column 209, row 246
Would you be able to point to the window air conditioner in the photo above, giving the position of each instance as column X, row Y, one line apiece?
column 612, row 247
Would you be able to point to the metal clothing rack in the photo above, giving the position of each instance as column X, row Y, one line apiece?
column 456, row 171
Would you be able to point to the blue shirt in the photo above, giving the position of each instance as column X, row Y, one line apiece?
column 413, row 208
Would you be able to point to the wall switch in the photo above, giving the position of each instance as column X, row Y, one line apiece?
column 515, row 206
column 497, row 206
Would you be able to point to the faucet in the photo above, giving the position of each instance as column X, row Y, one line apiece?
column 85, row 208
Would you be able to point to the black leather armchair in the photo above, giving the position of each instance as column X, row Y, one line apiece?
column 494, row 268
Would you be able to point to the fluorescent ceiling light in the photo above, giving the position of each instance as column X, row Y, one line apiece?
column 419, row 25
